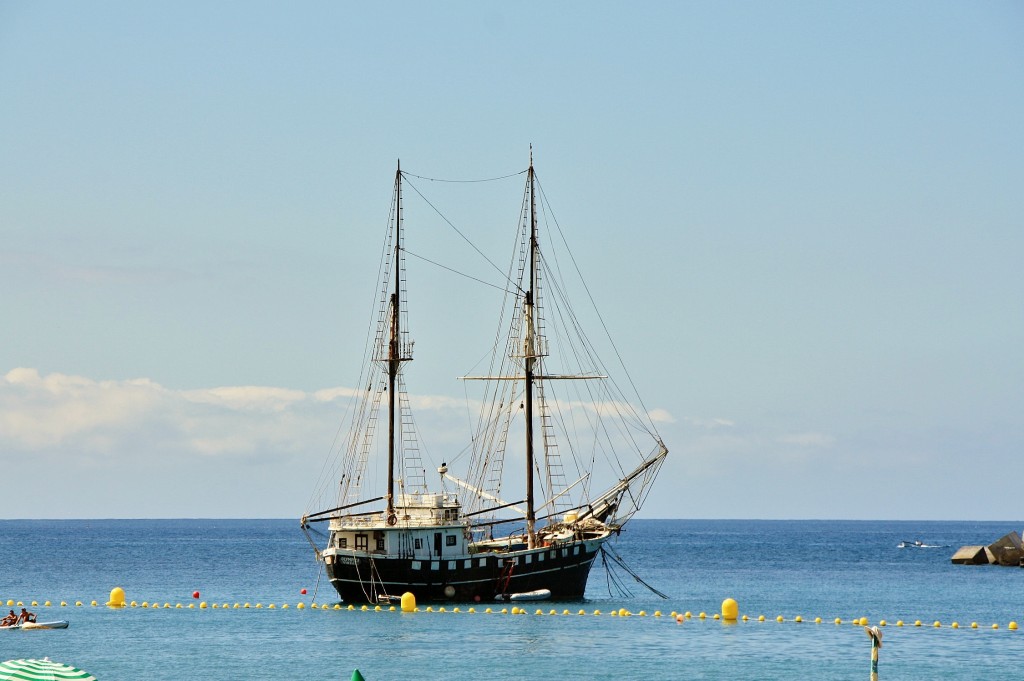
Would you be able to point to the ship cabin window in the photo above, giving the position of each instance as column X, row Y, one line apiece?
column 419, row 543
column 450, row 540
column 380, row 543
column 342, row 542
column 362, row 542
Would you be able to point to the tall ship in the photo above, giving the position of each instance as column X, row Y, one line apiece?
column 557, row 458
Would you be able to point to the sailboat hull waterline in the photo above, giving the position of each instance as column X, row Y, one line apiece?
column 445, row 548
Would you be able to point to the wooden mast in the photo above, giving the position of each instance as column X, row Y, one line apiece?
column 530, row 351
column 394, row 349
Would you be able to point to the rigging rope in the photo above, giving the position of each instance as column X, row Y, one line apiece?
column 318, row 573
column 454, row 271
column 457, row 231
column 488, row 179
column 609, row 552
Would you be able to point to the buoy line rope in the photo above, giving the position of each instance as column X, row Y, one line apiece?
column 679, row 618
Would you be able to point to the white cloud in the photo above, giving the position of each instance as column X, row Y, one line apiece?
column 661, row 416
column 247, row 398
column 709, row 423
column 120, row 417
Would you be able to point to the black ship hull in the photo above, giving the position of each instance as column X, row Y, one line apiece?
column 480, row 577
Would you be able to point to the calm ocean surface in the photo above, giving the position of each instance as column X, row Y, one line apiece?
column 827, row 569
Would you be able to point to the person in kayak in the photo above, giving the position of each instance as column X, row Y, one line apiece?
column 9, row 620
column 26, row 617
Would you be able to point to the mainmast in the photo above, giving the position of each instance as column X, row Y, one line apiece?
column 530, row 352
column 395, row 357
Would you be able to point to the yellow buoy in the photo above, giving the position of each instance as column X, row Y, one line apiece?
column 955, row 625
column 116, row 598
column 730, row 610
column 974, row 625
column 703, row 615
column 1012, row 626
column 780, row 618
column 817, row 620
column 798, row 619
column 202, row 606
column 863, row 621
column 760, row 618
column 838, row 620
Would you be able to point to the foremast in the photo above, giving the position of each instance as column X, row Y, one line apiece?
column 397, row 354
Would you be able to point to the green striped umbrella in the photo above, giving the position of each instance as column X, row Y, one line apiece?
column 41, row 670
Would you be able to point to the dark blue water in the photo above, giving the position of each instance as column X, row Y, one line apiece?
column 826, row 569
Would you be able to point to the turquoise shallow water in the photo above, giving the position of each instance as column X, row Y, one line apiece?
column 830, row 569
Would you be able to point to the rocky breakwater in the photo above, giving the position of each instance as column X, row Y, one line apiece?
column 1005, row 551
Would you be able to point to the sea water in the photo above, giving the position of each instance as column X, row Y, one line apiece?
column 810, row 569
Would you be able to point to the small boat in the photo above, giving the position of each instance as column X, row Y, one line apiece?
column 918, row 544
column 561, row 420
column 537, row 595
column 58, row 624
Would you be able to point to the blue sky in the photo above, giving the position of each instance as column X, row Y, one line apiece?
column 803, row 221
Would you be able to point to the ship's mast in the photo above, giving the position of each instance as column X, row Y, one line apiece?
column 395, row 358
column 530, row 352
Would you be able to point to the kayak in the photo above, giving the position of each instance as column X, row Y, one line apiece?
column 59, row 624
